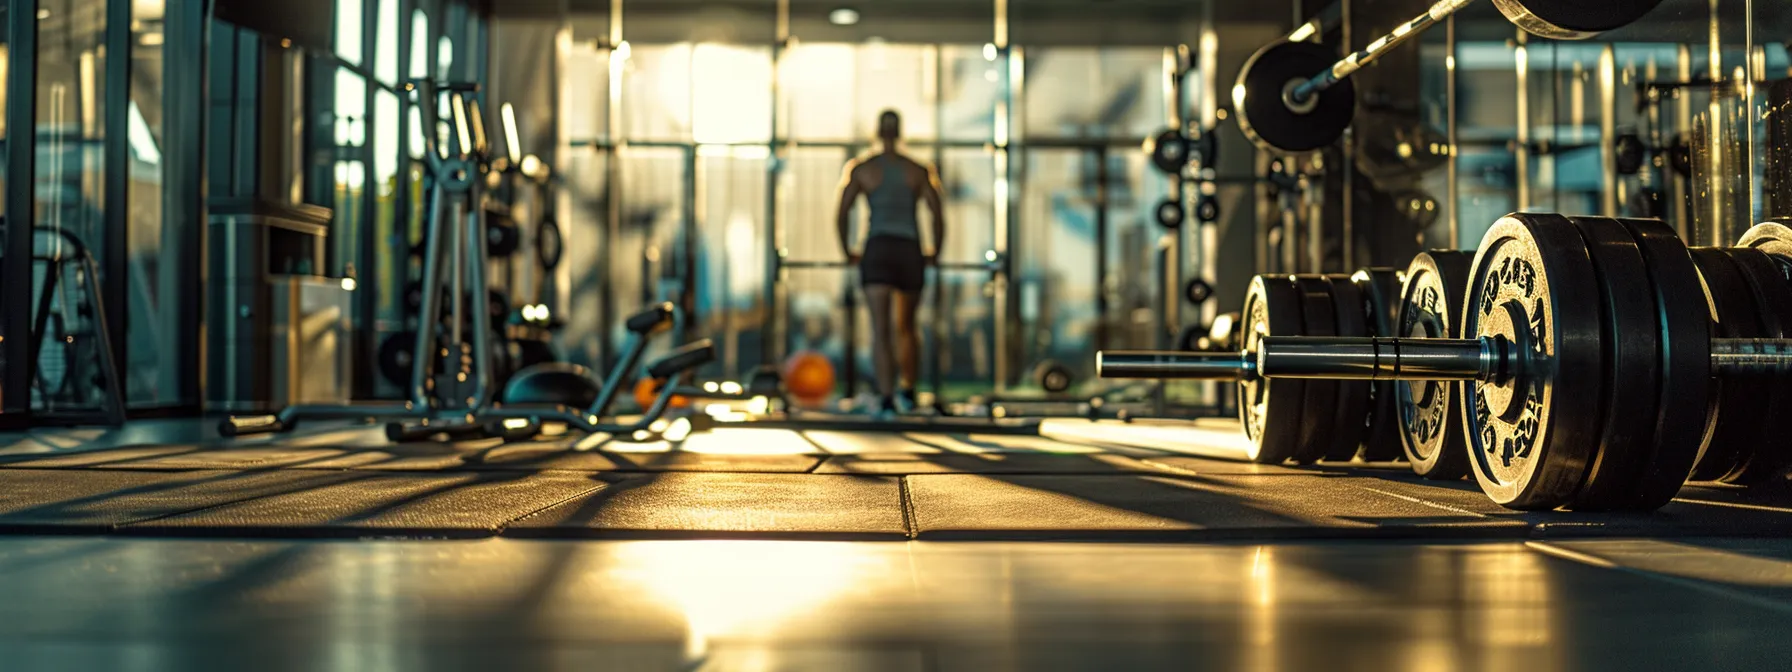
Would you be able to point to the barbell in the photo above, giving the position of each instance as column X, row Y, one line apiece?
column 1294, row 96
column 1585, row 368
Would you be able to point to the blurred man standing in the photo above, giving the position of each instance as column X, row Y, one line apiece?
column 893, row 267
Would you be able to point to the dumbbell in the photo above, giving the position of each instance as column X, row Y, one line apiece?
column 1585, row 360
column 1294, row 96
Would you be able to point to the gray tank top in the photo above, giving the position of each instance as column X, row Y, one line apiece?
column 892, row 204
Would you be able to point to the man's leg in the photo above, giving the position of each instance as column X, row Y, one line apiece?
column 883, row 350
column 908, row 339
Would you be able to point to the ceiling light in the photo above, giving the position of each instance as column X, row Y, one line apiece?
column 844, row 16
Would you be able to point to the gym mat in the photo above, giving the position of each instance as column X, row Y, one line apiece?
column 833, row 422
column 260, row 457
column 1205, row 466
column 98, row 500
column 387, row 503
column 514, row 458
column 982, row 463
column 696, row 505
column 1152, row 507
column 854, row 443
column 94, row 457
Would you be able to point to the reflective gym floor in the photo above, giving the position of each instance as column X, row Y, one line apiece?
column 158, row 547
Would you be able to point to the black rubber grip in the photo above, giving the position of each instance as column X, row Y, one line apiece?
column 650, row 320
column 691, row 356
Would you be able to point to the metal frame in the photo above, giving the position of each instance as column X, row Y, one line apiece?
column 21, row 164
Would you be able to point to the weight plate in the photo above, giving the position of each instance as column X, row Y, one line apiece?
column 396, row 358
column 1355, row 397
column 1428, row 411
column 1680, row 156
column 1207, row 209
column 502, row 239
column 1169, row 151
column 1420, row 207
column 1205, row 149
column 1191, row 338
column 1574, row 19
column 1530, row 435
column 1318, row 420
column 1773, row 298
column 1648, row 202
column 1684, row 318
column 1739, row 404
column 547, row 244
column 1170, row 214
column 1773, row 238
column 1197, row 291
column 1223, row 333
column 1381, row 308
column 1632, row 336
column 1267, row 408
column 1271, row 123
column 1629, row 154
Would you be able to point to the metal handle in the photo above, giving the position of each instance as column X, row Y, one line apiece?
column 1175, row 365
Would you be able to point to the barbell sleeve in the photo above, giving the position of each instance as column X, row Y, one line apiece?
column 1354, row 62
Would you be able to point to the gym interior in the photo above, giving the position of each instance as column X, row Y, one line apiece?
column 442, row 334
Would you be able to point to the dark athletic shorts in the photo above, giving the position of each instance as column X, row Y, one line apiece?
column 893, row 261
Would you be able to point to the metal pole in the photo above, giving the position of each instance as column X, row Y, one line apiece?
column 1608, row 130
column 1301, row 94
column 115, row 246
column 1011, row 61
column 1522, row 154
column 612, row 239
column 771, row 330
column 1454, row 238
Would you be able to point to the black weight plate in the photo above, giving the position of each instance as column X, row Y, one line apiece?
column 1354, row 396
column 1170, row 214
column 1530, row 436
column 396, row 358
column 1740, row 404
column 1207, row 209
column 548, row 244
column 1573, row 19
column 1773, row 297
column 1429, row 411
column 1269, row 122
column 1629, row 154
column 1632, row 336
column 1191, row 338
column 1680, row 156
column 1197, row 291
column 502, row 239
column 1169, row 151
column 1684, row 316
column 1270, row 410
column 1381, row 295
column 1318, row 416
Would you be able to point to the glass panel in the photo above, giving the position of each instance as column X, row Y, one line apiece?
column 1054, row 269
column 419, row 44
column 70, row 206
column 349, row 19
column 731, row 94
column 968, row 92
column 582, row 236
column 585, row 93
column 5, row 73
column 731, row 258
column 387, row 267
column 349, row 177
column 1093, row 92
column 151, row 331
column 835, row 91
column 644, row 258
column 385, row 61
column 656, row 92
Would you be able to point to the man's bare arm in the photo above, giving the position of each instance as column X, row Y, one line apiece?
column 931, row 193
column 849, row 194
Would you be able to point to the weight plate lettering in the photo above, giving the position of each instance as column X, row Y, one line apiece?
column 1531, row 434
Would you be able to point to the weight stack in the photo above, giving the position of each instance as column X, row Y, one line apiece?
column 1777, row 185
